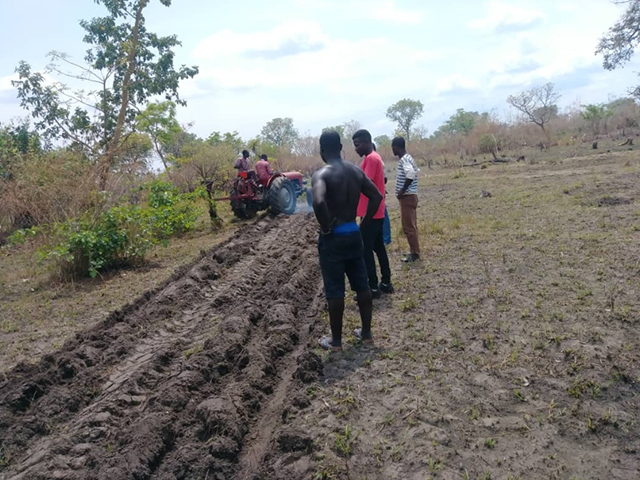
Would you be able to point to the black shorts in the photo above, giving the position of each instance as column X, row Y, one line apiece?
column 340, row 255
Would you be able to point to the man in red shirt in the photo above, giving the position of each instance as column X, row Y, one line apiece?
column 263, row 169
column 372, row 236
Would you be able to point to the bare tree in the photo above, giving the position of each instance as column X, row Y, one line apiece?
column 538, row 105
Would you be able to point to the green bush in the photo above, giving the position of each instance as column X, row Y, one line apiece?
column 122, row 235
column 488, row 144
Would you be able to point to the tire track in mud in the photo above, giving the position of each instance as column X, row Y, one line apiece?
column 188, row 382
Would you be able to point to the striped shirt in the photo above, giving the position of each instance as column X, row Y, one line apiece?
column 407, row 169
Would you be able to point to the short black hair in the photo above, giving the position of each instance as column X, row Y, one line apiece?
column 245, row 153
column 330, row 142
column 398, row 142
column 374, row 147
column 263, row 157
column 362, row 135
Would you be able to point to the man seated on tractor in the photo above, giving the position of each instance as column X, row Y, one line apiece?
column 242, row 164
column 263, row 169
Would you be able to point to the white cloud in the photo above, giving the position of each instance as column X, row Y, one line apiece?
column 455, row 82
column 231, row 61
column 5, row 82
column 390, row 12
column 382, row 10
column 283, row 40
column 505, row 16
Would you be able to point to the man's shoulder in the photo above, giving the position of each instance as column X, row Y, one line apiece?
column 374, row 157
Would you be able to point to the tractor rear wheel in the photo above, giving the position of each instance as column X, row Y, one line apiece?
column 241, row 209
column 282, row 196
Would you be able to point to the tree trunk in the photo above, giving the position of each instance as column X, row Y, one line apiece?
column 546, row 134
column 106, row 162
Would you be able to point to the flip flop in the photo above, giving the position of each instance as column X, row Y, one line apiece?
column 325, row 343
column 358, row 333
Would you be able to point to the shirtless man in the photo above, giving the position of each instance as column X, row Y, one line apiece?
column 336, row 192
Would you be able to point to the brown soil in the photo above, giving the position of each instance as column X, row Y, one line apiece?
column 510, row 352
column 187, row 382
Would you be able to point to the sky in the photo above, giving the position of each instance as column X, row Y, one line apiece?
column 324, row 62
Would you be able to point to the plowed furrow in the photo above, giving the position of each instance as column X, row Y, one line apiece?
column 170, row 387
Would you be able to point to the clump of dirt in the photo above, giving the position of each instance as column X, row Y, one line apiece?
column 609, row 201
column 171, row 386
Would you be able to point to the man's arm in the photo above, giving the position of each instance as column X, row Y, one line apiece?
column 370, row 191
column 320, row 207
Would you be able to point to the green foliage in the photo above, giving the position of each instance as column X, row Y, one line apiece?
column 382, row 141
column 231, row 139
column 121, row 235
column 345, row 442
column 124, row 67
column 21, row 236
column 405, row 113
column 620, row 42
column 159, row 121
column 336, row 128
column 16, row 141
column 461, row 122
column 488, row 144
column 280, row 132
column 136, row 153
column 596, row 116
column 209, row 163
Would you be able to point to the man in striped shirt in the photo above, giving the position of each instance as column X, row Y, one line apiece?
column 407, row 193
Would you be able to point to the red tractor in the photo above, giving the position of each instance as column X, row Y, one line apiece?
column 280, row 193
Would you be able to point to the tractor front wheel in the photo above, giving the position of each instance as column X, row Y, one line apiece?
column 282, row 196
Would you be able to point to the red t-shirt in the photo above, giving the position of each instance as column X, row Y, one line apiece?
column 373, row 167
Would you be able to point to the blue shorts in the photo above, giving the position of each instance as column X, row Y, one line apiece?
column 342, row 254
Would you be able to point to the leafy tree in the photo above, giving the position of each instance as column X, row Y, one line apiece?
column 232, row 139
column 280, row 132
column 461, row 122
column 596, row 115
column 125, row 66
column 337, row 128
column 489, row 144
column 349, row 128
column 621, row 41
column 261, row 146
column 382, row 141
column 159, row 121
column 211, row 163
column 538, row 105
column 405, row 113
column 137, row 151
column 16, row 140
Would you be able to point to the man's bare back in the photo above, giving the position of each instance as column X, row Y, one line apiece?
column 336, row 193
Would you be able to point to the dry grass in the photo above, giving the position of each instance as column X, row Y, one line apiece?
column 512, row 347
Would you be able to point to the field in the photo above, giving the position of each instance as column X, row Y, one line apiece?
column 511, row 351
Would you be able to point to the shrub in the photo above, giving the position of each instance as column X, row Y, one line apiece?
column 488, row 144
column 121, row 235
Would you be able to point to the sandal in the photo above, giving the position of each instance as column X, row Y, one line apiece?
column 358, row 333
column 325, row 343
